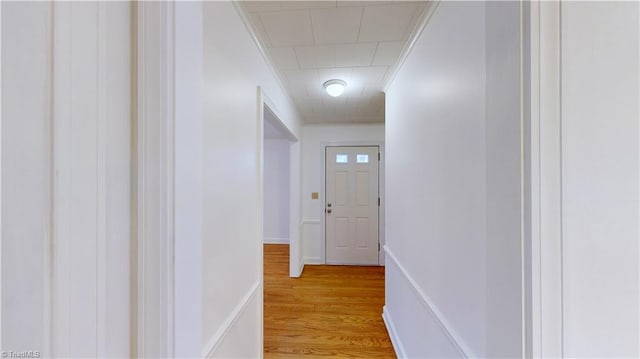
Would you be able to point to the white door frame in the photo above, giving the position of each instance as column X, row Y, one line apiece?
column 296, row 262
column 154, row 194
column 543, row 275
column 167, row 225
column 264, row 101
column 381, row 186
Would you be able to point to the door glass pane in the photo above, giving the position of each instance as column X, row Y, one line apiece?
column 360, row 158
column 342, row 158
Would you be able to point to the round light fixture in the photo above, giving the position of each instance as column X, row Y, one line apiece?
column 335, row 87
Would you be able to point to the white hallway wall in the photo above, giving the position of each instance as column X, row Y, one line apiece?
column 600, row 137
column 454, row 105
column 232, row 242
column 453, row 187
column 276, row 191
column 314, row 137
column 75, row 224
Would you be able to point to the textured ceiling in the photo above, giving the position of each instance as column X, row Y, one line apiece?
column 310, row 42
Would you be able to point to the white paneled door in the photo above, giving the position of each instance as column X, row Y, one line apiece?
column 351, row 205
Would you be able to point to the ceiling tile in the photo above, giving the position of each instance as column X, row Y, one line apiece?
column 284, row 58
column 388, row 53
column 301, row 75
column 311, row 57
column 386, row 22
column 297, row 90
column 355, row 54
column 373, row 74
column 313, row 103
column 257, row 6
column 358, row 101
column 372, row 90
column 290, row 5
column 315, row 89
column 343, row 74
column 353, row 89
column 332, row 102
column 310, row 42
column 336, row 26
column 341, row 3
column 288, row 28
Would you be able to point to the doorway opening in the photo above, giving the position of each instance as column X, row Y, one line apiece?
column 275, row 136
column 276, row 181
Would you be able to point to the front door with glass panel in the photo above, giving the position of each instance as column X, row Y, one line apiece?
column 351, row 205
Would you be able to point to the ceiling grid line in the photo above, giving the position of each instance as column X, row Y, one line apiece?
column 310, row 42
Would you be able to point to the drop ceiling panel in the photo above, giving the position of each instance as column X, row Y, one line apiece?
column 333, row 102
column 353, row 89
column 302, row 76
column 386, row 22
column 336, row 26
column 371, row 74
column 310, row 42
column 316, row 57
column 297, row 5
column 371, row 91
column 288, row 28
column 355, row 54
column 387, row 53
column 298, row 90
column 259, row 6
column 315, row 90
column 362, row 3
column 335, row 73
column 285, row 58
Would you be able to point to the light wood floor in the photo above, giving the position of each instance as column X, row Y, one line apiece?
column 330, row 311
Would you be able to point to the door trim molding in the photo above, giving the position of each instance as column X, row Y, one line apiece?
column 154, row 208
column 381, row 186
column 295, row 256
column 545, row 332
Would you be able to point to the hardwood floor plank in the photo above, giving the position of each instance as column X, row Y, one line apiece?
column 329, row 312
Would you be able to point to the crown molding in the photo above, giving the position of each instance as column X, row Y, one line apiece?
column 406, row 50
column 261, row 48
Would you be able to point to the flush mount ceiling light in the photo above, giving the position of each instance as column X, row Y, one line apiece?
column 335, row 87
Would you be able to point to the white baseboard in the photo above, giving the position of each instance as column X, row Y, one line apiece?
column 393, row 334
column 272, row 240
column 219, row 336
column 300, row 268
column 439, row 317
column 313, row 260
